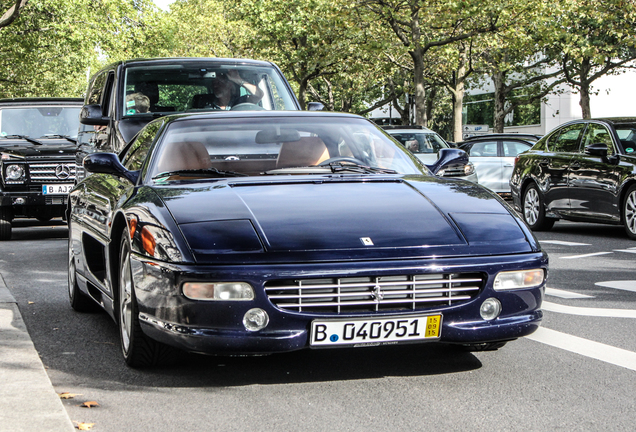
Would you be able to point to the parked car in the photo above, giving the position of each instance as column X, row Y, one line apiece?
column 493, row 156
column 584, row 170
column 125, row 96
column 273, row 231
column 425, row 145
column 37, row 165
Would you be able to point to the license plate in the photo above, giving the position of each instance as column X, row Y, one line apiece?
column 58, row 189
column 379, row 331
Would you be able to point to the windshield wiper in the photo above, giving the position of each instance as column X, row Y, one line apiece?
column 198, row 172
column 66, row 137
column 24, row 137
column 365, row 169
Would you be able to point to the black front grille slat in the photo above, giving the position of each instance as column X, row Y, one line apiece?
column 401, row 292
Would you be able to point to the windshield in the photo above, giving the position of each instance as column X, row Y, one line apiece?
column 278, row 145
column 40, row 122
column 420, row 142
column 179, row 88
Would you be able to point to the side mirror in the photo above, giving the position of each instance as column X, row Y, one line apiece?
column 448, row 157
column 92, row 115
column 315, row 106
column 597, row 149
column 108, row 163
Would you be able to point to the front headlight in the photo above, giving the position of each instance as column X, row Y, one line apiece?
column 510, row 280
column 218, row 291
column 14, row 172
column 469, row 169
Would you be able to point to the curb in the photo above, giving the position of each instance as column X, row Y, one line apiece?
column 28, row 401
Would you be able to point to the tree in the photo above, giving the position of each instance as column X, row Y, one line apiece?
column 593, row 39
column 12, row 12
column 421, row 26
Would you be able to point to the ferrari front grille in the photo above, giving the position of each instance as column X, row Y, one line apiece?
column 382, row 293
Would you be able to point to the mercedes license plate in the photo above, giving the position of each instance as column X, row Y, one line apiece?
column 380, row 331
column 56, row 189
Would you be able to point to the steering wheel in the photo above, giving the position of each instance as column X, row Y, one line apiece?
column 342, row 159
column 246, row 106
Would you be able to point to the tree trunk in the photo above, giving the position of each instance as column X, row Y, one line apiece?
column 420, row 90
column 499, row 115
column 584, row 99
column 302, row 93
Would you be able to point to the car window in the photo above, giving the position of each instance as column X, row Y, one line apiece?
column 513, row 148
column 136, row 154
column 94, row 96
column 567, row 139
column 483, row 149
column 249, row 146
column 627, row 135
column 598, row 134
column 420, row 142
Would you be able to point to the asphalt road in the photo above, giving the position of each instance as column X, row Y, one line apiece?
column 577, row 373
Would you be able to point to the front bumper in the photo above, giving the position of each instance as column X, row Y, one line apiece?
column 216, row 327
column 32, row 203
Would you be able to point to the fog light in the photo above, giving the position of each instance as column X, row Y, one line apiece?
column 255, row 319
column 490, row 309
column 19, row 201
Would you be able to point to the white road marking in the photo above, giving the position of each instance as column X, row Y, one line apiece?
column 585, row 255
column 585, row 347
column 625, row 285
column 565, row 294
column 563, row 243
column 586, row 311
column 626, row 250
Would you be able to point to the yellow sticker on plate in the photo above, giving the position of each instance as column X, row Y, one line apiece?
column 432, row 326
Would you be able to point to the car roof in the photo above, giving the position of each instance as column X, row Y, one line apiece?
column 525, row 137
column 40, row 101
column 413, row 128
column 187, row 60
column 261, row 114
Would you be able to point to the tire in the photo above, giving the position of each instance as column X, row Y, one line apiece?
column 488, row 346
column 5, row 229
column 629, row 212
column 80, row 302
column 138, row 349
column 533, row 210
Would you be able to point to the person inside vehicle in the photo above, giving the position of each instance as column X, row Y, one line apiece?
column 227, row 93
column 137, row 103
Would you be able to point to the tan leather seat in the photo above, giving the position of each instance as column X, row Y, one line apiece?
column 307, row 151
column 190, row 155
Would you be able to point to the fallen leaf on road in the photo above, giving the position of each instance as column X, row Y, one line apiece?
column 67, row 395
column 30, row 302
column 84, row 426
column 90, row 404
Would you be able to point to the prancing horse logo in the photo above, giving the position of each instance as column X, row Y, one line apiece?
column 366, row 241
column 62, row 172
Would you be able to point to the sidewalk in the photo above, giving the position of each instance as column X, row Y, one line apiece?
column 27, row 399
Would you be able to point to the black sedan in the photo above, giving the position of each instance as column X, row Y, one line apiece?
column 262, row 232
column 584, row 171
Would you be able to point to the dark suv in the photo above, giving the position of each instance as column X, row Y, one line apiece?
column 37, row 147
column 125, row 96
column 584, row 170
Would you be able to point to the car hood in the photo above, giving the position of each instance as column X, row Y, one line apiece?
column 49, row 147
column 351, row 218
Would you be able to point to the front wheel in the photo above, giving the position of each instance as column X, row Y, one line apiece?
column 138, row 349
column 5, row 229
column 629, row 212
column 534, row 211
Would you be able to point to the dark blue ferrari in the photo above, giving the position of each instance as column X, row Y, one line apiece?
column 251, row 232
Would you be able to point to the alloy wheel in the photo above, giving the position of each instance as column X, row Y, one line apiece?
column 630, row 212
column 125, row 299
column 531, row 206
